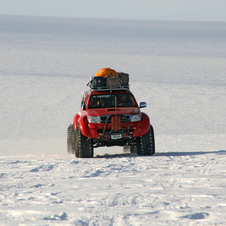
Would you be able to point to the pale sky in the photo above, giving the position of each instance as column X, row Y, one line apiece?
column 212, row 10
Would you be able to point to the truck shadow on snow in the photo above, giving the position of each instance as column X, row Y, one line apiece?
column 220, row 152
column 121, row 155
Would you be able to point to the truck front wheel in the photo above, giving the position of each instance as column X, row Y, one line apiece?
column 71, row 137
column 83, row 145
column 146, row 144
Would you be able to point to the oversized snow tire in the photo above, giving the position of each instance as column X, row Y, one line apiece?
column 146, row 144
column 83, row 145
column 71, row 137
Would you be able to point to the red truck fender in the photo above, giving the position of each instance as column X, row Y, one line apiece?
column 145, row 123
column 83, row 124
column 76, row 121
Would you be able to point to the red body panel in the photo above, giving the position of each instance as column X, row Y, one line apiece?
column 83, row 123
column 145, row 124
column 76, row 121
column 111, row 111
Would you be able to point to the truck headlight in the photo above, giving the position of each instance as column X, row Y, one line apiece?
column 92, row 119
column 136, row 118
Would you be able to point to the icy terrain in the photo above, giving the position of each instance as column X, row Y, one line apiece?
column 177, row 67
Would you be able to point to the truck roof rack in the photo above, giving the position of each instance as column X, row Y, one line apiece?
column 109, row 88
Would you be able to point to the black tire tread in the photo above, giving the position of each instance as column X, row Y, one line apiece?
column 83, row 145
column 71, row 139
column 146, row 143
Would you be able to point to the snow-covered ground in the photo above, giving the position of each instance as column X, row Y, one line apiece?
column 177, row 67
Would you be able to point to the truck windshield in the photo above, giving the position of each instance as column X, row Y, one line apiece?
column 108, row 100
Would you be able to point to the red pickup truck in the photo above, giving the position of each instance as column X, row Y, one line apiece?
column 110, row 116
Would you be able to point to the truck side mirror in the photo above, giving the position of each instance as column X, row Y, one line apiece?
column 143, row 104
column 84, row 107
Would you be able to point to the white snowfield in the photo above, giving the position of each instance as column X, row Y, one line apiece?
column 177, row 67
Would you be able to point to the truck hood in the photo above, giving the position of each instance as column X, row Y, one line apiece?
column 111, row 111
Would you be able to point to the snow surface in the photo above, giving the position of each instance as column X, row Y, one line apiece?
column 177, row 67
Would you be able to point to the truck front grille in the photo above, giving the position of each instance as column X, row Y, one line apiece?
column 123, row 119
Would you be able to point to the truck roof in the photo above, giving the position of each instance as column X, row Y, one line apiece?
column 108, row 92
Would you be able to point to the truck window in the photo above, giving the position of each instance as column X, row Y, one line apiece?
column 108, row 100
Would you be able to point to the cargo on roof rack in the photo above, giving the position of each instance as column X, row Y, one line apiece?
column 109, row 82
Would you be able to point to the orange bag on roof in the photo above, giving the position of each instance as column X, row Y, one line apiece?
column 105, row 72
